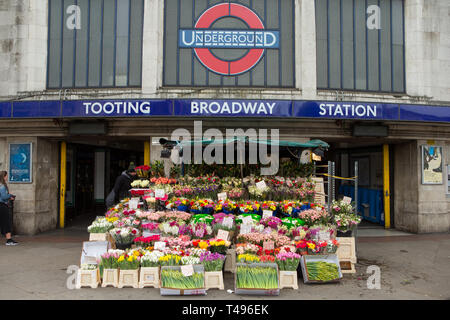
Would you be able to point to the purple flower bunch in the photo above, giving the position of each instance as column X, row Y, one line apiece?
column 212, row 261
column 272, row 222
column 218, row 217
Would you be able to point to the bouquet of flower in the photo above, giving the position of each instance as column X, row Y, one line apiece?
column 272, row 222
column 129, row 262
column 162, row 181
column 259, row 238
column 152, row 216
column 101, row 225
column 288, row 261
column 343, row 216
column 202, row 206
column 182, row 241
column 313, row 216
column 170, row 227
column 143, row 184
column 248, row 277
column 226, row 206
column 145, row 242
column 196, row 252
column 174, row 215
column 151, row 226
column 185, row 260
column 242, row 248
column 249, row 206
column 299, row 233
column 219, row 246
column 202, row 244
column 176, row 280
column 212, row 261
column 151, row 259
column 183, row 191
column 181, row 204
column 201, row 230
column 109, row 260
column 124, row 235
column 235, row 193
column 269, row 205
column 170, row 260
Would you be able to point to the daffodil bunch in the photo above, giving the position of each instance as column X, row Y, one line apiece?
column 170, row 260
column 128, row 262
column 247, row 258
column 219, row 246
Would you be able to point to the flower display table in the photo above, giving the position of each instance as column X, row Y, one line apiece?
column 110, row 278
column 214, row 280
column 149, row 277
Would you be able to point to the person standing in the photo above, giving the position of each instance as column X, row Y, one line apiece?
column 121, row 187
column 5, row 197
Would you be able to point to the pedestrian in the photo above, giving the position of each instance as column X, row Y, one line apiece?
column 121, row 187
column 5, row 219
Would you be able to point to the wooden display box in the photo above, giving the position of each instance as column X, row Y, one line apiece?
column 288, row 279
column 346, row 253
column 214, row 280
column 128, row 278
column 110, row 278
column 88, row 278
column 149, row 277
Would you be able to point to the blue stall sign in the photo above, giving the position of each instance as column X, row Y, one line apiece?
column 233, row 108
column 345, row 110
column 117, row 108
column 20, row 163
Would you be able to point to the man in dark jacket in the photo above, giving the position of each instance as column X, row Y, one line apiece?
column 121, row 187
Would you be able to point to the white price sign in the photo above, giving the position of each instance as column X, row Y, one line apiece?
column 261, row 185
column 160, row 245
column 347, row 200
column 133, row 204
column 324, row 235
column 187, row 270
column 267, row 213
column 228, row 222
column 246, row 228
column 222, row 196
column 247, row 220
column 223, row 234
column 160, row 193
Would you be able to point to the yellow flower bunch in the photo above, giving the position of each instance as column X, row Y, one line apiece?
column 170, row 257
column 311, row 246
column 132, row 258
column 218, row 243
column 247, row 258
column 112, row 219
column 121, row 258
column 203, row 245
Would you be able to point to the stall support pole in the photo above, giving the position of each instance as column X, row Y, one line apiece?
column 147, row 153
column 62, row 187
column 329, row 185
column 386, row 187
column 356, row 187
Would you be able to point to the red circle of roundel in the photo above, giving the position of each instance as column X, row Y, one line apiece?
column 229, row 68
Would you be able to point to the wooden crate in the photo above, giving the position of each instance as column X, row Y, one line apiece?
column 149, row 277
column 128, row 278
column 88, row 278
column 214, row 280
column 288, row 279
column 110, row 278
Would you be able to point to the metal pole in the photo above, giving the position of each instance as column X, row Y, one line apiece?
column 333, row 169
column 356, row 187
column 329, row 186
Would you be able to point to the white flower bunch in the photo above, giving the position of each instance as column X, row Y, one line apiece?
column 167, row 229
column 190, row 260
column 100, row 226
column 117, row 252
column 196, row 252
column 136, row 183
column 86, row 266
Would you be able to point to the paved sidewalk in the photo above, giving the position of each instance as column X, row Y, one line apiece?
column 412, row 267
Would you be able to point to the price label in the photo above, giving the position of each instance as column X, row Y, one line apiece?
column 222, row 196
column 347, row 200
column 268, row 245
column 228, row 222
column 247, row 220
column 187, row 270
column 223, row 234
column 149, row 277
column 267, row 213
column 261, row 185
column 246, row 228
column 160, row 245
column 160, row 193
column 324, row 235
column 133, row 204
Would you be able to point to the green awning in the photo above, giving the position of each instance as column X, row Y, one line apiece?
column 310, row 144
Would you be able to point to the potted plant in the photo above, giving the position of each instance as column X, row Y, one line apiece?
column 344, row 218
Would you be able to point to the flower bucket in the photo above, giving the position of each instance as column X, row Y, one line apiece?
column 346, row 234
column 208, row 210
column 194, row 211
column 227, row 211
column 123, row 246
column 183, row 208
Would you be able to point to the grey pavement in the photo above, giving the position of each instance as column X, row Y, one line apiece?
column 412, row 267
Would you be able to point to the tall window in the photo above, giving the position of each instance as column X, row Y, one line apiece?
column 360, row 45
column 95, row 43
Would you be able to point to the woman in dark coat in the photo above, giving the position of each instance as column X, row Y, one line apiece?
column 121, row 187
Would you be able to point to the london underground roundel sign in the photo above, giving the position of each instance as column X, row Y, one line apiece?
column 255, row 39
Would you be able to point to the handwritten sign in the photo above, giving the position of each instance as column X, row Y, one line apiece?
column 267, row 213
column 160, row 193
column 247, row 220
column 261, row 185
column 347, row 200
column 324, row 235
column 222, row 196
column 133, row 204
column 160, row 245
column 228, row 222
column 222, row 234
column 245, row 228
column 187, row 270
column 268, row 245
